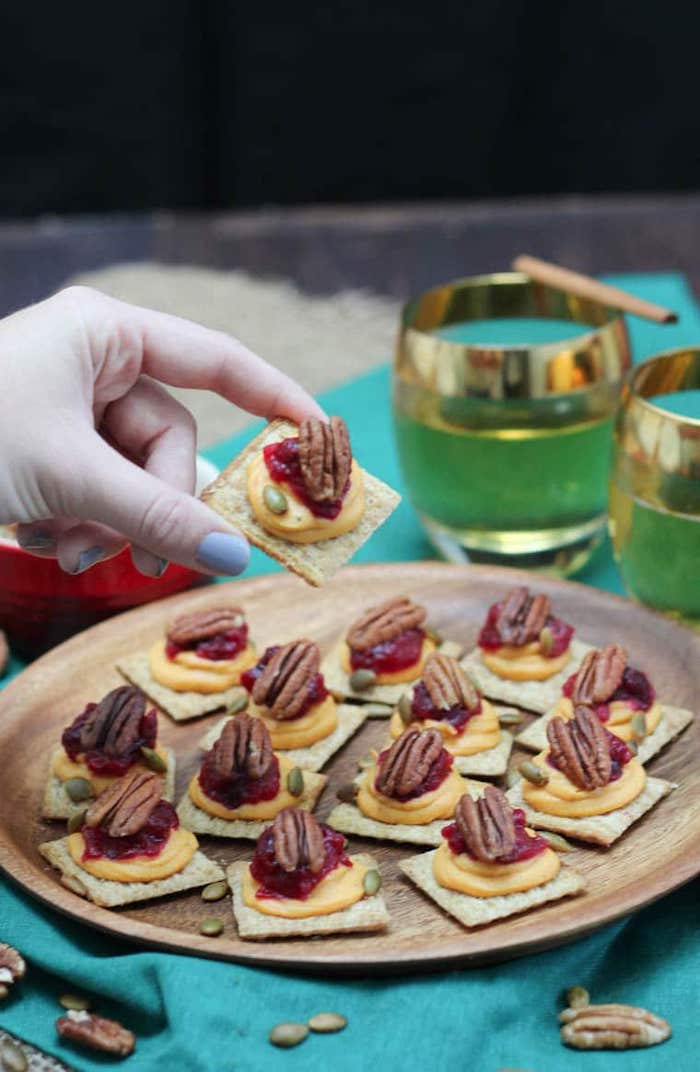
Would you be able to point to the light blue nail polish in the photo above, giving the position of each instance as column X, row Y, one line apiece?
column 223, row 553
column 88, row 558
column 162, row 566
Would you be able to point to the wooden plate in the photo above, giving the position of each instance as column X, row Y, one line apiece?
column 660, row 853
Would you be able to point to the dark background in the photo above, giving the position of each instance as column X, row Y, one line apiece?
column 213, row 105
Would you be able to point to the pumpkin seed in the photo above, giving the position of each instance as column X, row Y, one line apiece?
column 406, row 709
column 633, row 747
column 510, row 718
column 12, row 1058
column 372, row 882
column 287, row 1035
column 577, row 997
column 77, row 1002
column 347, row 793
column 546, row 640
column 73, row 883
column 532, row 773
column 639, row 724
column 275, row 500
column 556, row 841
column 211, row 927
column 366, row 762
column 451, row 649
column 153, row 761
column 78, row 789
column 238, row 703
column 362, row 679
column 326, row 1022
column 295, row 781
column 76, row 821
column 378, row 710
column 215, row 891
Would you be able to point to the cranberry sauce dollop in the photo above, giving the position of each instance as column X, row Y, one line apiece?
column 423, row 709
column 217, row 648
column 317, row 692
column 238, row 789
column 490, row 640
column 97, row 761
column 148, row 842
column 436, row 776
column 276, row 883
column 282, row 462
column 619, row 754
column 635, row 689
column 526, row 845
column 391, row 656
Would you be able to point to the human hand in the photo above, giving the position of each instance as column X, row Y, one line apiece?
column 96, row 454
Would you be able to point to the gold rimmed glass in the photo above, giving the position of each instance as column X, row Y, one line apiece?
column 655, row 484
column 505, row 443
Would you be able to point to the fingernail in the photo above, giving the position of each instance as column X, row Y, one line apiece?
column 88, row 558
column 222, row 552
column 37, row 540
column 162, row 566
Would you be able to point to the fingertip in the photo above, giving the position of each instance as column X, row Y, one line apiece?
column 223, row 553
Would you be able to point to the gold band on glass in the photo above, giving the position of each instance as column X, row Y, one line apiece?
column 453, row 369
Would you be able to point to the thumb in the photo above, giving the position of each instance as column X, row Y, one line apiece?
column 151, row 514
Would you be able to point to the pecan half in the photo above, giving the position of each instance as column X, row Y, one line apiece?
column 298, row 841
column 96, row 1033
column 408, row 762
column 612, row 1027
column 486, row 825
column 115, row 723
column 285, row 683
column 522, row 617
column 203, row 624
column 579, row 748
column 12, row 965
column 125, row 806
column 384, row 622
column 244, row 747
column 599, row 675
column 448, row 685
column 325, row 457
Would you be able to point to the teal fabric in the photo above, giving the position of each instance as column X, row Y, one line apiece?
column 194, row 1015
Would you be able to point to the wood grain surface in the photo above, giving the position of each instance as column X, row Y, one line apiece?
column 660, row 853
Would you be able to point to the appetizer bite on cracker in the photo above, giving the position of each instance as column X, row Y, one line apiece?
column 490, row 865
column 297, row 493
column 302, row 882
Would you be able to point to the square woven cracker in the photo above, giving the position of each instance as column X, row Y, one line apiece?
column 475, row 911
column 369, row 914
column 199, row 872
column 200, row 822
column 489, row 764
column 537, row 696
column 181, row 706
column 350, row 718
column 58, row 805
column 598, row 829
column 315, row 562
column 673, row 721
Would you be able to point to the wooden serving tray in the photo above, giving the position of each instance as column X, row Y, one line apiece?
column 659, row 853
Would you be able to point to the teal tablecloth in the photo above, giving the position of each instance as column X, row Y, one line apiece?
column 194, row 1015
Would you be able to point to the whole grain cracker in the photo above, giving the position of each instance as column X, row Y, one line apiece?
column 598, row 829
column 369, row 914
column 537, row 696
column 476, row 911
column 200, row 871
column 491, row 763
column 58, row 805
column 316, row 562
column 181, row 706
column 200, row 822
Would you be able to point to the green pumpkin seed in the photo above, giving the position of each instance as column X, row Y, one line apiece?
column 288, row 1034
column 378, row 710
column 238, row 703
column 633, row 747
column 451, row 649
column 12, row 1058
column 211, row 927
column 639, row 724
column 372, row 882
column 78, row 789
column 532, row 773
column 510, row 718
column 362, row 679
column 546, row 640
column 406, row 709
column 275, row 500
column 577, row 997
column 77, row 1002
column 295, row 781
column 73, row 883
column 326, row 1022
column 153, row 761
column 215, row 891
column 366, row 762
column 556, row 841
column 347, row 793
column 76, row 821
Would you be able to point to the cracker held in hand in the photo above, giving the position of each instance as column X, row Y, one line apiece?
column 328, row 486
